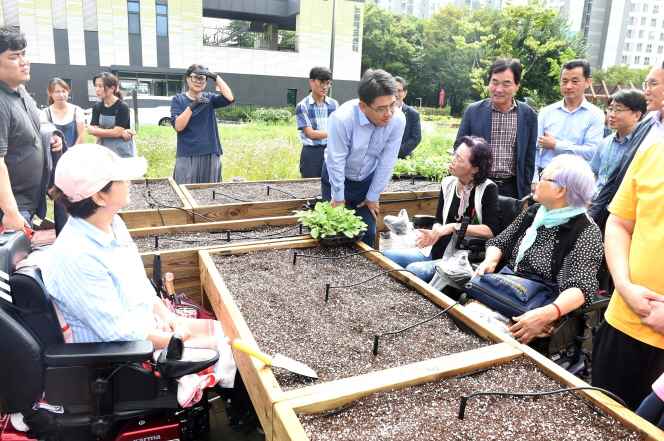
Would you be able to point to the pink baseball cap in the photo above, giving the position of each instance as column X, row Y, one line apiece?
column 86, row 168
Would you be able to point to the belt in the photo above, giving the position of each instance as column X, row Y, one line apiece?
column 316, row 146
column 501, row 182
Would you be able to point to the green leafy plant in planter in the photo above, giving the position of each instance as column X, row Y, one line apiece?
column 325, row 221
column 433, row 168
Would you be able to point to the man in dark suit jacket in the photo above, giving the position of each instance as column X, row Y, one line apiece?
column 412, row 134
column 510, row 126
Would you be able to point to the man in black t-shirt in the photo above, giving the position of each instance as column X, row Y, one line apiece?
column 21, row 152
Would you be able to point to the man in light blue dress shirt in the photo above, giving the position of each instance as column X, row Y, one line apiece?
column 572, row 126
column 363, row 141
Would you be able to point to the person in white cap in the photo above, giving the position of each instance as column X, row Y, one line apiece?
column 96, row 277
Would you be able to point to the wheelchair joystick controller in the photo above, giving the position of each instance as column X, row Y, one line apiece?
column 175, row 347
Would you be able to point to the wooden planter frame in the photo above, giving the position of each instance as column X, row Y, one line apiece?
column 184, row 262
column 158, row 217
column 278, row 409
column 415, row 202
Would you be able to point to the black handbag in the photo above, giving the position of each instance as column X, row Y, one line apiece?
column 511, row 294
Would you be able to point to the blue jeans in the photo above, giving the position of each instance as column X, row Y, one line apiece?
column 27, row 215
column 413, row 260
column 355, row 192
column 652, row 410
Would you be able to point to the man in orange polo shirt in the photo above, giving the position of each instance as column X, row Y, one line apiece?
column 629, row 351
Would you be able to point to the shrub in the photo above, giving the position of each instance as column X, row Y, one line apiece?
column 433, row 168
column 271, row 115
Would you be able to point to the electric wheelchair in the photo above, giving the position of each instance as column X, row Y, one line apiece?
column 85, row 391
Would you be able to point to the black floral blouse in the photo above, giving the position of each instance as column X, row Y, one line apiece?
column 579, row 269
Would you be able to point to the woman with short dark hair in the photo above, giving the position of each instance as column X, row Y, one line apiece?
column 468, row 191
column 198, row 157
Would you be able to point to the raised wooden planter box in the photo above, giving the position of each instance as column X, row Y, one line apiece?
column 158, row 217
column 286, row 425
column 416, row 202
column 184, row 263
column 278, row 409
column 261, row 383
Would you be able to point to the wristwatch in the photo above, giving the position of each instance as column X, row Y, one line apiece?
column 457, row 226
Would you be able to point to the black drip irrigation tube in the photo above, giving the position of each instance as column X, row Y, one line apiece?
column 328, row 286
column 378, row 336
column 289, row 194
column 464, row 398
column 215, row 193
column 158, row 205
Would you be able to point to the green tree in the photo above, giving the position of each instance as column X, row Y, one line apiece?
column 385, row 43
column 620, row 74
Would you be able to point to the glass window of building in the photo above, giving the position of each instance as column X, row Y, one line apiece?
column 653, row 22
column 626, row 48
column 645, row 7
column 651, row 35
column 624, row 59
column 648, row 48
column 639, row 47
column 660, row 48
column 632, row 7
column 637, row 60
column 162, row 20
column 628, row 34
column 641, row 33
column 643, row 21
column 630, row 21
column 655, row 9
column 646, row 61
column 134, row 16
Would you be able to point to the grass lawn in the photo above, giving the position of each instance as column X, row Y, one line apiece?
column 259, row 151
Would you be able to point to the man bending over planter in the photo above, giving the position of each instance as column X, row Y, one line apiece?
column 363, row 141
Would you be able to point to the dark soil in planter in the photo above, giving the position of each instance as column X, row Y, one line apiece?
column 255, row 192
column 284, row 306
column 206, row 238
column 161, row 192
column 430, row 411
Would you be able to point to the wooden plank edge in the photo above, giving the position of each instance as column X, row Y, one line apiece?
column 286, row 425
column 221, row 225
column 178, row 191
column 261, row 385
column 274, row 181
column 337, row 393
column 626, row 417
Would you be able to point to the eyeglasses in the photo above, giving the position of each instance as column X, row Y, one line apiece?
column 382, row 110
column 618, row 111
column 325, row 83
column 199, row 80
column 649, row 84
column 400, row 90
column 545, row 179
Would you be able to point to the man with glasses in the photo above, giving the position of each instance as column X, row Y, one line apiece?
column 571, row 126
column 510, row 126
column 363, row 142
column 312, row 114
column 646, row 133
column 625, row 109
column 412, row 134
column 198, row 156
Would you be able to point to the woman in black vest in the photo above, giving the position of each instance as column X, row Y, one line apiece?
column 554, row 239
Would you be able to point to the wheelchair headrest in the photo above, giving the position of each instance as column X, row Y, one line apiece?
column 510, row 209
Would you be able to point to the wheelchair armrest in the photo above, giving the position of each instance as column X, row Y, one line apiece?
column 598, row 303
column 473, row 243
column 423, row 221
column 107, row 352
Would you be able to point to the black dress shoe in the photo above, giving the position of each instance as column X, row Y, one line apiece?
column 385, row 234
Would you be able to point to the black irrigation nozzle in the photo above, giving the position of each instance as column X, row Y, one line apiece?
column 214, row 193
column 464, row 398
column 268, row 190
column 281, row 191
column 147, row 184
column 378, row 336
column 301, row 226
column 327, row 291
column 294, row 257
column 228, row 236
column 156, row 241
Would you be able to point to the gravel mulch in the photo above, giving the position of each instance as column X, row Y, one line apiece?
column 430, row 412
column 206, row 238
column 284, row 306
column 239, row 193
column 160, row 192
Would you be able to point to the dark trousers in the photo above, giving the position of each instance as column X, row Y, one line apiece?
column 624, row 365
column 652, row 410
column 509, row 190
column 311, row 161
column 60, row 217
column 355, row 193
